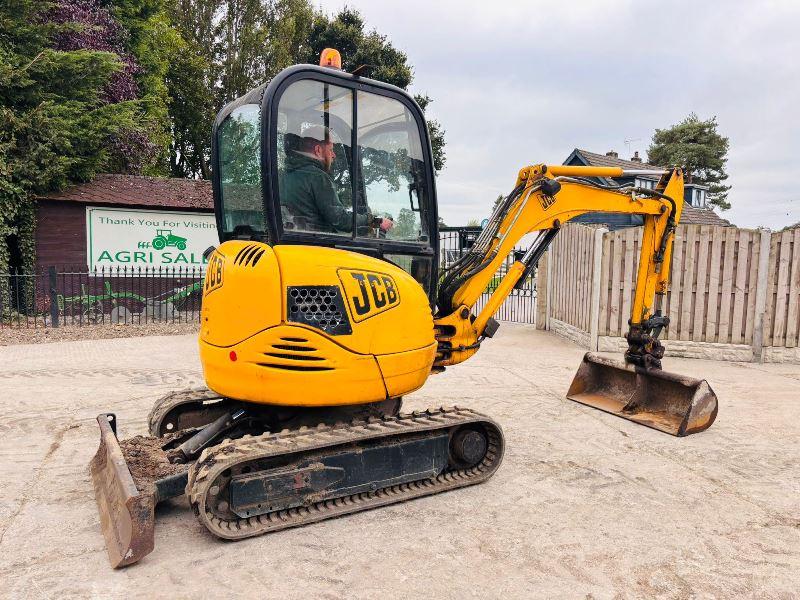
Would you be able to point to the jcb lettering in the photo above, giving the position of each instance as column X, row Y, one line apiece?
column 368, row 293
column 361, row 304
column 214, row 274
column 377, row 293
column 546, row 201
column 391, row 293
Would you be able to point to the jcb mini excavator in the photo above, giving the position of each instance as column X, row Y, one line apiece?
column 317, row 320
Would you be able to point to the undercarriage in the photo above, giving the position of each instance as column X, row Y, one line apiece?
column 249, row 470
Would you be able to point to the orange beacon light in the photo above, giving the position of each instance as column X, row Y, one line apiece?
column 330, row 58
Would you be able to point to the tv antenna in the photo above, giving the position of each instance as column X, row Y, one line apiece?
column 630, row 141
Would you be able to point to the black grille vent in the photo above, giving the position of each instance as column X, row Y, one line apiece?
column 303, row 358
column 249, row 255
column 320, row 306
column 294, row 367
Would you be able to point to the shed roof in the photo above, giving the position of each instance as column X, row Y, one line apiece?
column 140, row 191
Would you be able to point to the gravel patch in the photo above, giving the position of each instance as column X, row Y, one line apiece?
column 10, row 336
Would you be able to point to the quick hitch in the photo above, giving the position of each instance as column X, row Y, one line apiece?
column 644, row 348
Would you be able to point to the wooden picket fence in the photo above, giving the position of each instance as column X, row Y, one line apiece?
column 569, row 259
column 731, row 289
column 782, row 318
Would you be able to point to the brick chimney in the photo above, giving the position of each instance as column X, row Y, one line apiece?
column 612, row 154
column 636, row 157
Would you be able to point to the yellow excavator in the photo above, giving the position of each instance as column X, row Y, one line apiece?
column 326, row 302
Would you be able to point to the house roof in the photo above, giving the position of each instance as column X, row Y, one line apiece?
column 690, row 214
column 593, row 159
column 701, row 216
column 136, row 190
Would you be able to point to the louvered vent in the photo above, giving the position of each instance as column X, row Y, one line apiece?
column 319, row 306
column 249, row 255
column 294, row 354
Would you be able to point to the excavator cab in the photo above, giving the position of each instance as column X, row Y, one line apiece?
column 379, row 198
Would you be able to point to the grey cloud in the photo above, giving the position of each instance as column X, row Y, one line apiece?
column 515, row 83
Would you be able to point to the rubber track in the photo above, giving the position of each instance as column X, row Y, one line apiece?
column 214, row 461
column 169, row 401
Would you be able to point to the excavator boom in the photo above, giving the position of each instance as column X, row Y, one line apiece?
column 543, row 199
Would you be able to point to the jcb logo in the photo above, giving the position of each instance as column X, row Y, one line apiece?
column 546, row 201
column 214, row 274
column 368, row 293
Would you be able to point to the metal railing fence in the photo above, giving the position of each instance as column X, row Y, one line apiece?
column 57, row 295
column 520, row 306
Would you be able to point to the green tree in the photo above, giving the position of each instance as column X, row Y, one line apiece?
column 68, row 108
column 473, row 223
column 259, row 38
column 700, row 150
column 346, row 32
column 228, row 48
column 241, row 161
column 191, row 79
column 152, row 41
column 405, row 227
column 436, row 133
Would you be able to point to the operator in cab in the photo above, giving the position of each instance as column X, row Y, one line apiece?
column 309, row 192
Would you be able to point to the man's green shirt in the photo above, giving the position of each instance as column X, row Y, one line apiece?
column 309, row 193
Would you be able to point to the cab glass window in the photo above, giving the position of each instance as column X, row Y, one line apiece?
column 392, row 168
column 315, row 126
column 419, row 267
column 238, row 141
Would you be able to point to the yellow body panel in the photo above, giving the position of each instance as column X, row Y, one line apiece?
column 407, row 325
column 252, row 350
column 247, row 300
column 270, row 368
column 405, row 372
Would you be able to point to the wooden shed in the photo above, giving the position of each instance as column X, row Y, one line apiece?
column 61, row 228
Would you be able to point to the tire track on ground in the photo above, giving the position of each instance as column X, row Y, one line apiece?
column 54, row 446
column 134, row 376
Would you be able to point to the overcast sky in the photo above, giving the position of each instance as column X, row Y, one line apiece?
column 517, row 83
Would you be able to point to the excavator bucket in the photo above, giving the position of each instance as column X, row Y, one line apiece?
column 127, row 516
column 665, row 401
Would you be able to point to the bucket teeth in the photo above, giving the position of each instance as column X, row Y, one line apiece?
column 671, row 403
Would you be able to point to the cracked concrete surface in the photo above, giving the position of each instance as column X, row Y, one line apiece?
column 584, row 505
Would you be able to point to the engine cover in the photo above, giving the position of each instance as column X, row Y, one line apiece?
column 312, row 326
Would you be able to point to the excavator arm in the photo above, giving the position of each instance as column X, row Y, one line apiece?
column 543, row 199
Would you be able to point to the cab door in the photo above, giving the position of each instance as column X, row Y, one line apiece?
column 378, row 169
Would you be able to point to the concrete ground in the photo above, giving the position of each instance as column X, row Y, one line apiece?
column 585, row 504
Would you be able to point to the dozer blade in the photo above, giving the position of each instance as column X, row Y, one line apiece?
column 665, row 401
column 127, row 515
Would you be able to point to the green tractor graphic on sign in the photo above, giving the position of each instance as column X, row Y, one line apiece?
column 165, row 238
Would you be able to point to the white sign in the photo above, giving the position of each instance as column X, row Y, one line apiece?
column 148, row 238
